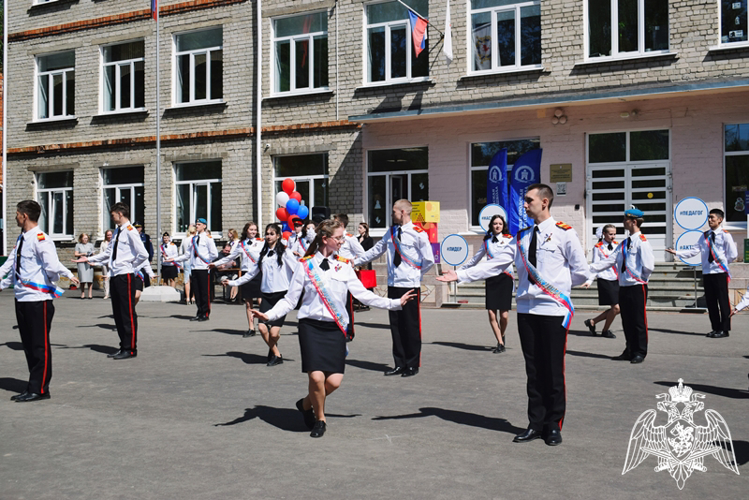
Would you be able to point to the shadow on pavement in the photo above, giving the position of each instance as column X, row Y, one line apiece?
column 13, row 384
column 104, row 326
column 467, row 347
column 16, row 346
column 741, row 449
column 367, row 365
column 726, row 392
column 581, row 333
column 181, row 316
column 463, row 418
column 588, row 354
column 104, row 349
column 286, row 419
column 380, row 326
column 228, row 331
column 677, row 332
column 248, row 358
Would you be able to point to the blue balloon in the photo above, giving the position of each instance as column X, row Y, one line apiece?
column 292, row 206
column 303, row 212
column 284, row 227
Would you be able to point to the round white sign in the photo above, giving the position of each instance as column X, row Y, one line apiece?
column 691, row 213
column 454, row 250
column 489, row 211
column 686, row 242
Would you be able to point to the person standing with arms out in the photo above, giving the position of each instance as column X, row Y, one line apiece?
column 277, row 264
column 409, row 258
column 550, row 261
column 186, row 274
column 608, row 283
column 123, row 257
column 635, row 262
column 32, row 269
column 168, row 250
column 718, row 250
column 201, row 251
column 498, row 288
column 85, row 248
column 104, row 269
column 326, row 280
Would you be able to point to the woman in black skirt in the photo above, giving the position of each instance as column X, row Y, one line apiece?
column 323, row 321
column 608, row 283
column 498, row 288
column 168, row 250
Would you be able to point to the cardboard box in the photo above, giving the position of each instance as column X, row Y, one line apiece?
column 426, row 211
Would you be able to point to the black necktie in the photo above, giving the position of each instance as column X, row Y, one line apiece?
column 18, row 256
column 624, row 256
column 494, row 239
column 117, row 238
column 270, row 253
column 611, row 247
column 532, row 252
column 710, row 257
column 397, row 257
column 324, row 265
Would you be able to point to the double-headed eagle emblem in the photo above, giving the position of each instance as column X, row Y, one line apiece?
column 680, row 444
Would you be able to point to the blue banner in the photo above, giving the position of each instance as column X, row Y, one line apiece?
column 526, row 171
column 496, row 180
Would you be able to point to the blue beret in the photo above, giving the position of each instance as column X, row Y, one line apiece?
column 203, row 221
column 634, row 212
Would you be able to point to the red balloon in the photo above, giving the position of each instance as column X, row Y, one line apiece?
column 282, row 214
column 295, row 195
column 286, row 235
column 288, row 186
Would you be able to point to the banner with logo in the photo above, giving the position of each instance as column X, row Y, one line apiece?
column 526, row 171
column 496, row 180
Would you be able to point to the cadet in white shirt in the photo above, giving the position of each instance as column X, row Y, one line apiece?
column 32, row 269
column 123, row 256
column 326, row 280
column 201, row 251
column 608, row 283
column 277, row 264
column 350, row 250
column 550, row 261
column 718, row 250
column 635, row 263
column 409, row 258
column 168, row 250
column 301, row 237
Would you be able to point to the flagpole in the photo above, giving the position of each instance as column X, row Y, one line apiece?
column 420, row 16
column 158, row 140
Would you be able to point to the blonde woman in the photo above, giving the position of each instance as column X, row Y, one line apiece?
column 105, row 269
column 191, row 231
column 84, row 248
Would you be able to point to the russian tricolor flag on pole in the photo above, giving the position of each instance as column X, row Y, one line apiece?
column 418, row 32
column 154, row 9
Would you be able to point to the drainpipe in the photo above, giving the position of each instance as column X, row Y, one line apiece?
column 259, row 118
column 5, row 127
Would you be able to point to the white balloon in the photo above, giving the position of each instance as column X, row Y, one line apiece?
column 282, row 198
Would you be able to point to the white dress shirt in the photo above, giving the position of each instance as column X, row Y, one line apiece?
column 247, row 250
column 494, row 248
column 724, row 247
column 351, row 248
column 169, row 251
column 275, row 278
column 39, row 265
column 640, row 260
column 201, row 250
column 601, row 252
column 131, row 252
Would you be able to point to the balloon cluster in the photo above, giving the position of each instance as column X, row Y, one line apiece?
column 291, row 207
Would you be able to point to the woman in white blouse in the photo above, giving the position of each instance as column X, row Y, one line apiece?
column 104, row 269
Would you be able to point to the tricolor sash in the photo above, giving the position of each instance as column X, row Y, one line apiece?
column 600, row 249
column 303, row 245
column 55, row 291
column 195, row 249
column 629, row 271
column 163, row 253
column 490, row 256
column 716, row 259
column 404, row 257
column 313, row 274
column 247, row 252
column 547, row 287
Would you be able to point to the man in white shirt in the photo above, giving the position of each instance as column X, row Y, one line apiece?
column 123, row 257
column 34, row 267
column 201, row 250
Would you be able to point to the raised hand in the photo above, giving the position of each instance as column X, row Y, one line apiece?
column 80, row 260
column 448, row 276
column 408, row 297
column 260, row 315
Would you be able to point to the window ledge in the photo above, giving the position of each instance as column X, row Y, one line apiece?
column 200, row 104
column 498, row 72
column 122, row 112
column 288, row 95
column 412, row 82
column 729, row 46
column 618, row 59
column 50, row 121
column 35, row 6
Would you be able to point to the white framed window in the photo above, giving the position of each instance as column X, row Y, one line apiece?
column 42, row 2
column 123, row 77
column 393, row 174
column 300, row 53
column 733, row 22
column 505, row 35
column 198, row 67
column 309, row 172
column 55, row 82
column 54, row 192
column 736, row 171
column 641, row 27
column 390, row 56
column 122, row 185
column 481, row 155
column 198, row 187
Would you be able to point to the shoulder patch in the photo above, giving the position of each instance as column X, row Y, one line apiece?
column 614, row 242
column 564, row 226
column 258, row 239
column 303, row 259
column 349, row 235
column 418, row 229
column 130, row 228
column 642, row 237
column 600, row 244
column 341, row 259
column 507, row 235
column 40, row 237
column 726, row 232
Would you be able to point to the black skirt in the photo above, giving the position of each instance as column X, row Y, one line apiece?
column 251, row 290
column 169, row 272
column 499, row 293
column 270, row 300
column 608, row 292
column 137, row 283
column 323, row 346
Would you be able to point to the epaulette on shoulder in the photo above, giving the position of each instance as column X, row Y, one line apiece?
column 642, row 237
column 304, row 259
column 418, row 229
column 564, row 226
column 349, row 235
column 507, row 235
column 726, row 232
column 130, row 228
column 41, row 237
column 258, row 239
column 599, row 244
column 341, row 259
column 613, row 242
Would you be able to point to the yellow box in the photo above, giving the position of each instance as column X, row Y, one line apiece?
column 426, row 211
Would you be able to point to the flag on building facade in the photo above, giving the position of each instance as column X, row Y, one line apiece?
column 526, row 171
column 418, row 32
column 154, row 9
column 496, row 181
column 447, row 47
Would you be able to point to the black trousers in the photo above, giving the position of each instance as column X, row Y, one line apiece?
column 350, row 333
column 34, row 322
column 718, row 306
column 122, row 290
column 544, row 343
column 200, row 286
column 405, row 327
column 632, row 301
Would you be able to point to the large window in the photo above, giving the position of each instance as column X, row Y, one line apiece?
column 123, row 185
column 55, row 194
column 55, row 83
column 390, row 53
column 737, row 171
column 123, row 77
column 310, row 172
column 199, row 67
column 199, row 194
column 640, row 27
column 393, row 174
column 300, row 46
column 733, row 21
column 505, row 35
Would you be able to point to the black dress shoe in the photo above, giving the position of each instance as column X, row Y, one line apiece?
column 249, row 333
column 203, row 318
column 592, row 328
column 410, row 372
column 196, row 318
column 528, row 435
column 23, row 394
column 554, row 437
column 31, row 396
column 608, row 334
column 711, row 334
column 319, row 429
column 720, row 335
column 275, row 360
column 309, row 415
column 114, row 353
column 637, row 359
column 395, row 371
column 625, row 356
column 125, row 355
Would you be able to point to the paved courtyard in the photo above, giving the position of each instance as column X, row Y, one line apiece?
column 198, row 415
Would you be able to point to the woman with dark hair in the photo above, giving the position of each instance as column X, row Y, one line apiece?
column 607, row 282
column 277, row 265
column 498, row 288
column 365, row 240
column 326, row 280
column 168, row 250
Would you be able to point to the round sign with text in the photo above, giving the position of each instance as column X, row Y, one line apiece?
column 687, row 241
column 691, row 213
column 489, row 211
column 454, row 250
